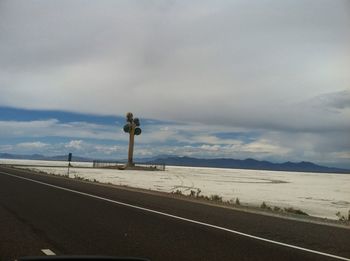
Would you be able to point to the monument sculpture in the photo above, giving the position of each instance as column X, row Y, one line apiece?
column 132, row 127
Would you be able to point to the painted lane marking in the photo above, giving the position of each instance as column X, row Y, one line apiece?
column 48, row 252
column 181, row 218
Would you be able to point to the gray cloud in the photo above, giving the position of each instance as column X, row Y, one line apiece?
column 274, row 66
column 336, row 100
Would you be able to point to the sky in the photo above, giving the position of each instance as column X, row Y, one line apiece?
column 263, row 79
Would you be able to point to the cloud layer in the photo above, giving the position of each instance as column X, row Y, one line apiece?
column 281, row 68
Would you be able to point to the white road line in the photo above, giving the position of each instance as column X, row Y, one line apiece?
column 181, row 218
column 48, row 252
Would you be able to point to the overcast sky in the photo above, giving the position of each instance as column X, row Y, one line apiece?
column 277, row 72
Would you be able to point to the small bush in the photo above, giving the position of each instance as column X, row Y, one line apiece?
column 216, row 198
column 265, row 206
column 203, row 197
column 237, row 201
column 192, row 193
column 80, row 178
column 275, row 208
column 340, row 216
column 177, row 192
column 295, row 211
column 198, row 192
column 231, row 201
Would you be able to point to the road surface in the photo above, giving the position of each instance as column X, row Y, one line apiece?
column 45, row 214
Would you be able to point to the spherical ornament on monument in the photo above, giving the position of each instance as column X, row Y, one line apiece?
column 126, row 128
column 138, row 131
column 137, row 122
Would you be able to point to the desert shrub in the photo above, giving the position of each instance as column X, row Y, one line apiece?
column 340, row 216
column 198, row 192
column 215, row 198
column 203, row 197
column 275, row 208
column 80, row 178
column 177, row 192
column 295, row 211
column 192, row 193
column 265, row 206
column 237, row 201
column 231, row 201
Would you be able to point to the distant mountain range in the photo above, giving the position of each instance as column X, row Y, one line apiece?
column 42, row 157
column 198, row 162
column 246, row 164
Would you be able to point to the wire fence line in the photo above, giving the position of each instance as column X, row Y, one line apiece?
column 95, row 164
column 104, row 164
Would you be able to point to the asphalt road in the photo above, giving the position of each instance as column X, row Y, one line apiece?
column 70, row 217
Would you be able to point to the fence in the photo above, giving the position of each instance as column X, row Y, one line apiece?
column 104, row 164
column 141, row 166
